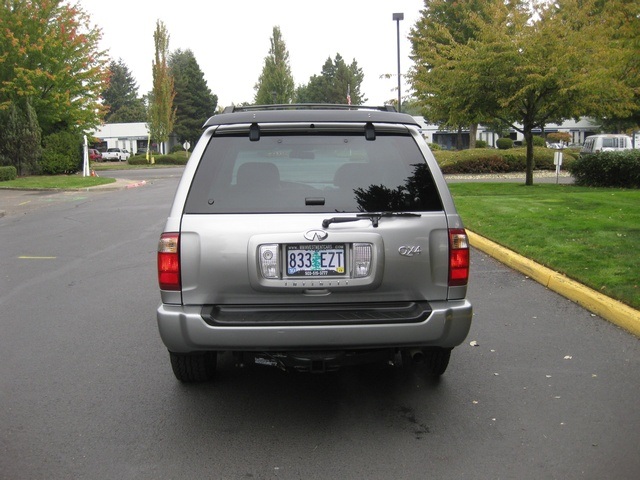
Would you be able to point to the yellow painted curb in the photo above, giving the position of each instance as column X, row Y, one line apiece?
column 616, row 312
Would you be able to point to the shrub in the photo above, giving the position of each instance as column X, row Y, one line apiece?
column 486, row 160
column 61, row 153
column 8, row 173
column 178, row 158
column 557, row 137
column 608, row 169
column 138, row 160
column 538, row 141
column 481, row 144
column 504, row 143
column 488, row 164
column 175, row 159
column 434, row 146
column 516, row 159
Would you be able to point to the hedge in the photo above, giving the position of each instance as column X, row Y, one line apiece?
column 8, row 173
column 178, row 158
column 175, row 159
column 608, row 169
column 490, row 160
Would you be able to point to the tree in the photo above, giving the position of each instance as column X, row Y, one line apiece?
column 275, row 85
column 20, row 136
column 622, row 25
column 161, row 111
column 121, row 96
column 525, row 67
column 49, row 53
column 442, row 24
column 337, row 83
column 194, row 101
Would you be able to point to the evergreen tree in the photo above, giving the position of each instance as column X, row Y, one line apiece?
column 20, row 136
column 275, row 85
column 121, row 96
column 194, row 101
column 337, row 83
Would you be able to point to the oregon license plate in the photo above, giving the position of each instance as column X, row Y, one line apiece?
column 315, row 260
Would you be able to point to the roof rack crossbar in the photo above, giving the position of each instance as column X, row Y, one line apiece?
column 308, row 106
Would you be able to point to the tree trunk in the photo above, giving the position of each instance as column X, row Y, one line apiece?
column 473, row 131
column 528, row 136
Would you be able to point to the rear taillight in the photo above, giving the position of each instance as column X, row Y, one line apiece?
column 169, row 261
column 458, row 257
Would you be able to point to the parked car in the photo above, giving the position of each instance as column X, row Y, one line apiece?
column 118, row 154
column 606, row 143
column 95, row 155
column 312, row 238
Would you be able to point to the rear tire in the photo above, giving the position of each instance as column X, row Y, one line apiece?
column 436, row 360
column 194, row 367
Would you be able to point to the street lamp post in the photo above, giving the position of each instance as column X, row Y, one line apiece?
column 397, row 17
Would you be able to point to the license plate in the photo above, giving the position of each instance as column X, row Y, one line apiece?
column 315, row 260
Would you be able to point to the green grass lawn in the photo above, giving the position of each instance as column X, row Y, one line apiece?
column 589, row 234
column 55, row 182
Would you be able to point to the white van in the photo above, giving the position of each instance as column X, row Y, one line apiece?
column 606, row 143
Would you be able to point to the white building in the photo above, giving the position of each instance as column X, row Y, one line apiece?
column 578, row 130
column 130, row 136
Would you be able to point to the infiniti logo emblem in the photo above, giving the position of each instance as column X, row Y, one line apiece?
column 316, row 235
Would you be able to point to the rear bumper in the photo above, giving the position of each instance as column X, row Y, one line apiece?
column 185, row 329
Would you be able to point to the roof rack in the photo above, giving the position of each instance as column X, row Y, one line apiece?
column 307, row 106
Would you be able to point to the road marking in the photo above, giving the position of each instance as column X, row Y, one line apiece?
column 26, row 257
column 24, row 203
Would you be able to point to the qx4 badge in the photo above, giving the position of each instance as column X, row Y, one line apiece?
column 409, row 250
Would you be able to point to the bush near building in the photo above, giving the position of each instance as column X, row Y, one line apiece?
column 608, row 169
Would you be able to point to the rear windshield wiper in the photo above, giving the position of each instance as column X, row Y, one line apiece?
column 373, row 216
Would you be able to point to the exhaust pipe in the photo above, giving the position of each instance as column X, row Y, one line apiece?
column 417, row 355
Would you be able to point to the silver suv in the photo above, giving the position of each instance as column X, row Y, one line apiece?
column 309, row 237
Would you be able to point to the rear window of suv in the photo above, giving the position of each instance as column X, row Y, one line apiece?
column 301, row 173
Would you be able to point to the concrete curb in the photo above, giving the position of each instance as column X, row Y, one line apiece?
column 615, row 312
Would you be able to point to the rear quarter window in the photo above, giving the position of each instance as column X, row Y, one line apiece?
column 312, row 173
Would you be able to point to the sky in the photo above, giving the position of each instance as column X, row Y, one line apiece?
column 231, row 38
